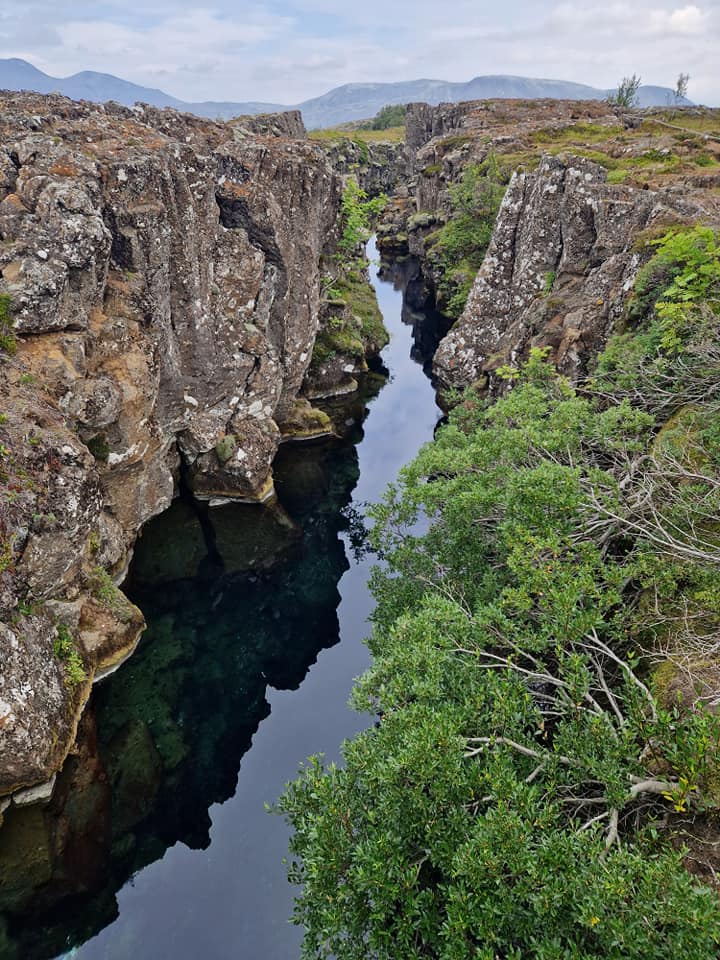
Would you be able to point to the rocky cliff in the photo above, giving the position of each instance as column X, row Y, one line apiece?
column 159, row 299
column 564, row 254
column 587, row 187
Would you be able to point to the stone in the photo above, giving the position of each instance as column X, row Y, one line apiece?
column 39, row 794
column 163, row 273
column 563, row 221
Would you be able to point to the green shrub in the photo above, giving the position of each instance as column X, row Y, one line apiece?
column 459, row 246
column 65, row 650
column 357, row 214
column 511, row 799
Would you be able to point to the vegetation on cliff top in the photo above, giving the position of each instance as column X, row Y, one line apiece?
column 391, row 116
column 359, row 136
column 520, row 793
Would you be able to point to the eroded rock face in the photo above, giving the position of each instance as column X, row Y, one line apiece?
column 162, row 275
column 561, row 262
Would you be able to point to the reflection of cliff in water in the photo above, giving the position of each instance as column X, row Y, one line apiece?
column 235, row 599
column 418, row 309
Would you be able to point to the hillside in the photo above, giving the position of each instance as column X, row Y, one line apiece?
column 352, row 101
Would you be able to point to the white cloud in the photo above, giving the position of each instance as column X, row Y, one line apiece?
column 288, row 50
column 684, row 20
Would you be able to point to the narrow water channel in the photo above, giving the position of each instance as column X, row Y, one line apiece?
column 249, row 660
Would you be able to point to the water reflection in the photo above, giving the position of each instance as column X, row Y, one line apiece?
column 240, row 602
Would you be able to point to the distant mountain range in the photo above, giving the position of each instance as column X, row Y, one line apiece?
column 352, row 101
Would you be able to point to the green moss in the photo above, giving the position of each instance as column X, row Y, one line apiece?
column 432, row 170
column 99, row 447
column 362, row 302
column 225, row 447
column 358, row 331
column 421, row 220
column 8, row 343
column 452, row 143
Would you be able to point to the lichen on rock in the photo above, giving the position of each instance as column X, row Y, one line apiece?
column 160, row 284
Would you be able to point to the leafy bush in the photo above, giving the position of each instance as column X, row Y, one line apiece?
column 357, row 213
column 459, row 246
column 511, row 799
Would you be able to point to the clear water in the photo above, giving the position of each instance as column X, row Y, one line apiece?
column 256, row 620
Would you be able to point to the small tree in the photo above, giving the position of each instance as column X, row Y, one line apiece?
column 681, row 87
column 626, row 94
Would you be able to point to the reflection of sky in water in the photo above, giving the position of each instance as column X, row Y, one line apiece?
column 232, row 899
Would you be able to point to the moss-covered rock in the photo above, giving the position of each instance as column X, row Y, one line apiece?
column 305, row 422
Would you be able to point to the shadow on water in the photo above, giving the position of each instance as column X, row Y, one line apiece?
column 154, row 845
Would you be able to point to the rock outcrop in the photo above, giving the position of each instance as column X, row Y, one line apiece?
column 161, row 274
column 563, row 257
column 584, row 182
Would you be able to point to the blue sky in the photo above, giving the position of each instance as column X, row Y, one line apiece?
column 291, row 50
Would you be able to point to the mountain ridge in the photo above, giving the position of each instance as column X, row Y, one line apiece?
column 350, row 101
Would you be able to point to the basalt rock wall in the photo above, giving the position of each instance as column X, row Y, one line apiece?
column 159, row 297
column 563, row 258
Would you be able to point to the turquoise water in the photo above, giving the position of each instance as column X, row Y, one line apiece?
column 256, row 618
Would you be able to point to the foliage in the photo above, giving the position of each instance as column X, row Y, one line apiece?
column 8, row 343
column 626, row 94
column 358, row 331
column 676, row 305
column 65, row 650
column 511, row 799
column 392, row 115
column 459, row 246
column 357, row 213
column 681, row 87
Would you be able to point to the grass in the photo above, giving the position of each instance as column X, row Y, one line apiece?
column 597, row 141
column 579, row 133
column 391, row 135
column 704, row 122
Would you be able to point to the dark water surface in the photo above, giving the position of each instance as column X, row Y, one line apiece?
column 256, row 617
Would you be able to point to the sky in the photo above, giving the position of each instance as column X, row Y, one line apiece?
column 289, row 50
